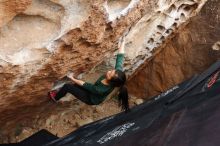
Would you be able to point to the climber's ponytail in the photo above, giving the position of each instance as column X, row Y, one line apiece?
column 123, row 98
column 119, row 81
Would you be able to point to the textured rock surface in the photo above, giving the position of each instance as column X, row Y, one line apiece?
column 193, row 49
column 42, row 39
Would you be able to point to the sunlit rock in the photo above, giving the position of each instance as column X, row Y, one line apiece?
column 216, row 46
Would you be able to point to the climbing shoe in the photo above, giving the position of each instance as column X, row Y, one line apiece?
column 52, row 95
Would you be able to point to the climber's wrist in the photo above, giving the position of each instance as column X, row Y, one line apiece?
column 78, row 82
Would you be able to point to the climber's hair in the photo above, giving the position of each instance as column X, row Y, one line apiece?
column 119, row 81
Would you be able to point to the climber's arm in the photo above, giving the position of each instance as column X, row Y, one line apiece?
column 88, row 86
column 120, row 55
column 121, row 46
column 78, row 82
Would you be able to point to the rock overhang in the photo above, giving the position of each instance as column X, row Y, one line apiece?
column 43, row 39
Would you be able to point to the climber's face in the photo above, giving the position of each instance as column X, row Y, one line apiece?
column 110, row 74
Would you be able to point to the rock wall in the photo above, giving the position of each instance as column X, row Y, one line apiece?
column 193, row 49
column 42, row 39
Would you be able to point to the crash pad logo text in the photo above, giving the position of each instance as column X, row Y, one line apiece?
column 118, row 131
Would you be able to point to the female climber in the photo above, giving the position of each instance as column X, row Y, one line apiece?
column 94, row 94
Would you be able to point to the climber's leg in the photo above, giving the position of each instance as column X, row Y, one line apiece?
column 79, row 92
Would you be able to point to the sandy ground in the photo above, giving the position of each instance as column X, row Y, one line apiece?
column 64, row 117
